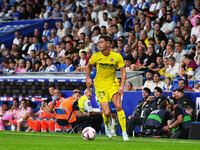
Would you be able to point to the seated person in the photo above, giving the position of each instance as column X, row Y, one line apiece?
column 5, row 115
column 141, row 112
column 182, row 122
column 21, row 118
column 189, row 67
column 85, row 106
column 73, row 116
column 158, row 120
column 69, row 67
column 159, row 98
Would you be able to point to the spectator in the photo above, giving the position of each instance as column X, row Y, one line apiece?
column 180, row 52
column 36, row 66
column 129, row 87
column 69, row 65
column 25, row 46
column 168, row 26
column 33, row 56
column 66, row 23
column 157, row 81
column 50, row 67
column 169, row 52
column 17, row 37
column 61, row 32
column 36, row 46
column 21, row 68
column 172, row 69
column 54, row 38
column 51, row 50
column 195, row 29
column 56, row 12
column 28, row 66
column 189, row 67
column 159, row 64
column 149, row 81
column 168, row 85
column 46, row 32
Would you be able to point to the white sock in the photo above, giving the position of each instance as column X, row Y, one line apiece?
column 12, row 128
column 114, row 121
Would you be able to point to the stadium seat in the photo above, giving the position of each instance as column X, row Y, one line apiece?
column 57, row 66
column 175, row 84
column 62, row 67
column 191, row 83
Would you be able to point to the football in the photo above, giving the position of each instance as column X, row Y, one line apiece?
column 88, row 133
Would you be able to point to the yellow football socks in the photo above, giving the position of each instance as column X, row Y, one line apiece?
column 122, row 119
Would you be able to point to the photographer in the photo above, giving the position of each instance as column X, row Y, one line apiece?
column 141, row 112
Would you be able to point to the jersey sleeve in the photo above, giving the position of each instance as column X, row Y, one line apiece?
column 93, row 59
column 120, row 61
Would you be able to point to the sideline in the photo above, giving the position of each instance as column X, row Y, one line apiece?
column 134, row 139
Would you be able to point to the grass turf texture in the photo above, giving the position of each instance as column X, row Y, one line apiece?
column 55, row 141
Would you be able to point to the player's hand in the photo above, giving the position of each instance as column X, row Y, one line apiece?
column 121, row 90
column 88, row 82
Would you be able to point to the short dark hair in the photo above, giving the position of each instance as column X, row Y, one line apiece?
column 106, row 38
column 157, row 73
column 171, row 57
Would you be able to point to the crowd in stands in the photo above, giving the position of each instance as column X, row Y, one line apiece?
column 160, row 36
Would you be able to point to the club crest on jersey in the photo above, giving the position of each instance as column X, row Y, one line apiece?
column 111, row 59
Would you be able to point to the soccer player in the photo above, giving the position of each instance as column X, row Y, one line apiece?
column 106, row 84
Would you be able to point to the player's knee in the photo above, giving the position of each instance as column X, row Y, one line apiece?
column 118, row 108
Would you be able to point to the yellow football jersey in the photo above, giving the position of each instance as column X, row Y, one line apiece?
column 106, row 69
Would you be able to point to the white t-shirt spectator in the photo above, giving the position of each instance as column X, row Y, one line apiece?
column 160, row 84
column 51, row 68
column 169, row 26
column 173, row 70
column 178, row 56
column 84, row 29
column 149, row 84
column 16, row 41
column 155, row 6
column 196, row 31
column 100, row 15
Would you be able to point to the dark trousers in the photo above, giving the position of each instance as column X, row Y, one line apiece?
column 181, row 134
column 131, row 124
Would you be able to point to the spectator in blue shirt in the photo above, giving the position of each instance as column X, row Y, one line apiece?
column 45, row 42
column 46, row 31
column 69, row 65
column 54, row 38
column 15, row 13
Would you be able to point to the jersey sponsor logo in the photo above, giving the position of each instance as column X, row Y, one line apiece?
column 106, row 65
column 111, row 59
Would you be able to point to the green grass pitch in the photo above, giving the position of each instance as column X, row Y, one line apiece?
column 10, row 140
